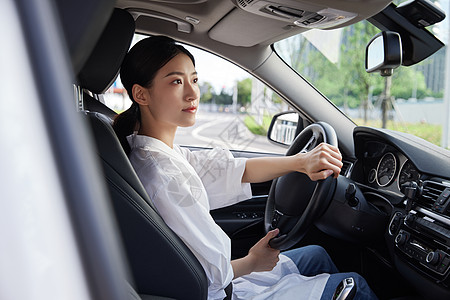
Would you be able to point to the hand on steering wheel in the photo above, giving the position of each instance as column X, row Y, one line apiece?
column 322, row 161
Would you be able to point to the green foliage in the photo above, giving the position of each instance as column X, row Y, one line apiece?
column 347, row 83
column 244, row 92
column 206, row 92
column 356, row 80
column 407, row 79
column 223, row 98
column 276, row 98
column 326, row 76
column 208, row 95
column 254, row 127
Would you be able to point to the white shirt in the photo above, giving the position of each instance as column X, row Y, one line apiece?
column 184, row 186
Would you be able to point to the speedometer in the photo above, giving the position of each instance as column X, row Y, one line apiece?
column 408, row 173
column 386, row 169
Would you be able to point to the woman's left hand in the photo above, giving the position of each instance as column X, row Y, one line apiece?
column 321, row 162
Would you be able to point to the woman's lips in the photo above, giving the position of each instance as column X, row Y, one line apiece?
column 191, row 109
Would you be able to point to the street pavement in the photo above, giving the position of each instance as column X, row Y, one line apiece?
column 225, row 130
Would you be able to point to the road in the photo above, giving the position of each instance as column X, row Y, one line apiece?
column 225, row 130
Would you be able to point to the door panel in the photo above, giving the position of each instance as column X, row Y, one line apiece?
column 244, row 221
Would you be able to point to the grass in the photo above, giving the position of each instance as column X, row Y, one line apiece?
column 256, row 128
column 429, row 132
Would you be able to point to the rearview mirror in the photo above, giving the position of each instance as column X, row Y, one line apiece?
column 384, row 53
column 283, row 128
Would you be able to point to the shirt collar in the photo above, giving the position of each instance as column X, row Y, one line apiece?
column 148, row 143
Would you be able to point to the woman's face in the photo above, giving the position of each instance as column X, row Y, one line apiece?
column 174, row 94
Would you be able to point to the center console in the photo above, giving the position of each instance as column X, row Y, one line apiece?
column 421, row 234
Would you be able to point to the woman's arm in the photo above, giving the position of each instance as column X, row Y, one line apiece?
column 318, row 163
column 261, row 257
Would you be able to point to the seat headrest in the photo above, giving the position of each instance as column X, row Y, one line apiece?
column 82, row 22
column 103, row 65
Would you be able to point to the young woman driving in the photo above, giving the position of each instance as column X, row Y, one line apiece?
column 160, row 78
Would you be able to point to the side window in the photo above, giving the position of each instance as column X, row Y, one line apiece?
column 235, row 108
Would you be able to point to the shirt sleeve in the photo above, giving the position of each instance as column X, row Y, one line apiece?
column 182, row 206
column 221, row 174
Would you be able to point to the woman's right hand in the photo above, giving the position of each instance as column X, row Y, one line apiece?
column 264, row 257
column 261, row 257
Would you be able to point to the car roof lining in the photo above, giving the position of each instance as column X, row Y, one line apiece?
column 216, row 16
column 246, row 48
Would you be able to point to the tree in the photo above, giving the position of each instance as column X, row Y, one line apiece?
column 356, row 79
column 347, row 83
column 407, row 82
column 293, row 50
column 206, row 92
column 326, row 76
column 223, row 98
column 244, row 92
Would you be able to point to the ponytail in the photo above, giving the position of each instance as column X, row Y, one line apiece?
column 125, row 124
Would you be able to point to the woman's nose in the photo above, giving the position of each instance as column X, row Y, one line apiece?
column 192, row 92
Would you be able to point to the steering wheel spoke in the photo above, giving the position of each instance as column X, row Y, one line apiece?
column 311, row 143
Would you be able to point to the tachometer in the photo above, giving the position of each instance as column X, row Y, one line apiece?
column 408, row 173
column 386, row 169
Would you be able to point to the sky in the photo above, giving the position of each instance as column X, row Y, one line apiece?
column 217, row 71
column 443, row 31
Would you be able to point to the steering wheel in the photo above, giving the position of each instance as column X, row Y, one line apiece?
column 295, row 201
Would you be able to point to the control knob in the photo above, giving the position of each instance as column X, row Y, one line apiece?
column 401, row 238
column 409, row 219
column 433, row 257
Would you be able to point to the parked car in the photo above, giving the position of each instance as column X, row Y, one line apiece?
column 76, row 221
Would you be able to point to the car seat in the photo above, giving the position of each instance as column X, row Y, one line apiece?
column 160, row 263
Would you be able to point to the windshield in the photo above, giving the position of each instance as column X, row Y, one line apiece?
column 333, row 62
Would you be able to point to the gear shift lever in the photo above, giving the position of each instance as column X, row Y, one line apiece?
column 410, row 190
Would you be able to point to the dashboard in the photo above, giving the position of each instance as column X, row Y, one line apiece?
column 414, row 177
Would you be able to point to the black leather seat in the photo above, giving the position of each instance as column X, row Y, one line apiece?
column 159, row 261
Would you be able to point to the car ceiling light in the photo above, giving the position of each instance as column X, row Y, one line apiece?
column 182, row 25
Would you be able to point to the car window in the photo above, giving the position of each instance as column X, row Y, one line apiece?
column 333, row 62
column 235, row 108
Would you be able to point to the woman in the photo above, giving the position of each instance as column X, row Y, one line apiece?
column 161, row 81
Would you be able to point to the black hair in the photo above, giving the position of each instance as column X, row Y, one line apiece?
column 140, row 66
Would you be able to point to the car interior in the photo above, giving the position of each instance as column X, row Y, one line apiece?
column 386, row 217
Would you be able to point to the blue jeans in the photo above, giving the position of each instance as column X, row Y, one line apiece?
column 314, row 260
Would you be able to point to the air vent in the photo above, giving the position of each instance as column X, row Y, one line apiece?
column 430, row 192
column 244, row 3
column 346, row 167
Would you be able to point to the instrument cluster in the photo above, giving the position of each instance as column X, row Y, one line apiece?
column 387, row 168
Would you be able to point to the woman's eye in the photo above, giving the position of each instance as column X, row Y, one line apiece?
column 195, row 80
column 177, row 81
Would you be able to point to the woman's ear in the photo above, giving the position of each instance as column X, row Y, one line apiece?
column 140, row 94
